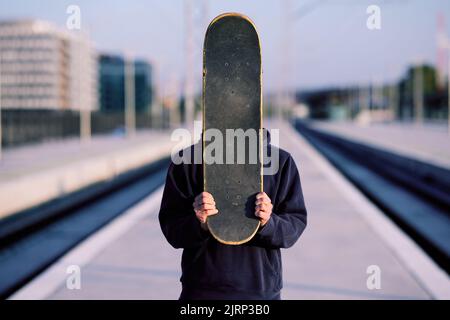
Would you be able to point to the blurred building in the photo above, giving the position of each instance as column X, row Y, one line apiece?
column 43, row 67
column 144, row 85
column 112, row 83
column 434, row 98
column 382, row 101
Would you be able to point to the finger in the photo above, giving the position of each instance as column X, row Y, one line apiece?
column 205, row 213
column 201, row 217
column 263, row 195
column 264, row 207
column 203, row 195
column 211, row 212
column 202, row 200
column 206, row 206
column 263, row 200
column 262, row 215
column 206, row 200
column 206, row 196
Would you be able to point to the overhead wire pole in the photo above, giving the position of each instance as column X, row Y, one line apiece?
column 156, row 107
column 443, row 43
column 85, row 111
column 393, row 94
column 289, row 17
column 448, row 86
column 447, row 45
column 1, row 128
column 441, row 52
column 189, row 74
column 372, row 97
column 363, row 101
column 205, row 13
column 393, row 100
column 130, row 97
column 80, row 40
column 418, row 93
column 286, row 61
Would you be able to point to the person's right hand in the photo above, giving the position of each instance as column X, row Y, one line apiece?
column 204, row 206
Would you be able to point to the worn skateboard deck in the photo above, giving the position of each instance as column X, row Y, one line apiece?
column 232, row 100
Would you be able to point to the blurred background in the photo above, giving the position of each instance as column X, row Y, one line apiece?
column 90, row 92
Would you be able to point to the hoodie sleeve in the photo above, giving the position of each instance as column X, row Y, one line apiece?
column 288, row 219
column 176, row 216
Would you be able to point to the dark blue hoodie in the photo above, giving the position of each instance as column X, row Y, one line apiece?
column 211, row 270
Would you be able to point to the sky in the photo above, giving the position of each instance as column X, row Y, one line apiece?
column 305, row 44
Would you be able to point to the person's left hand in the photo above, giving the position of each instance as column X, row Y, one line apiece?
column 263, row 208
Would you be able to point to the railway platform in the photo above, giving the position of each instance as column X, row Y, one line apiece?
column 31, row 175
column 429, row 143
column 348, row 241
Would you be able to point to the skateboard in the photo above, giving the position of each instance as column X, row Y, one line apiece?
column 232, row 99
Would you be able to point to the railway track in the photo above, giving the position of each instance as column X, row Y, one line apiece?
column 415, row 195
column 32, row 240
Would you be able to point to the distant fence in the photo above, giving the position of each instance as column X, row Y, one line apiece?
column 31, row 126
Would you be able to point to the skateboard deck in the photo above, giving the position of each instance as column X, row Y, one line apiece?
column 232, row 100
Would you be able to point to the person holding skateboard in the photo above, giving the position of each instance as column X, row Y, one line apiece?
column 229, row 218
column 214, row 270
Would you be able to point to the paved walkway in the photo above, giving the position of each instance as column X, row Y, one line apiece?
column 130, row 259
column 428, row 142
